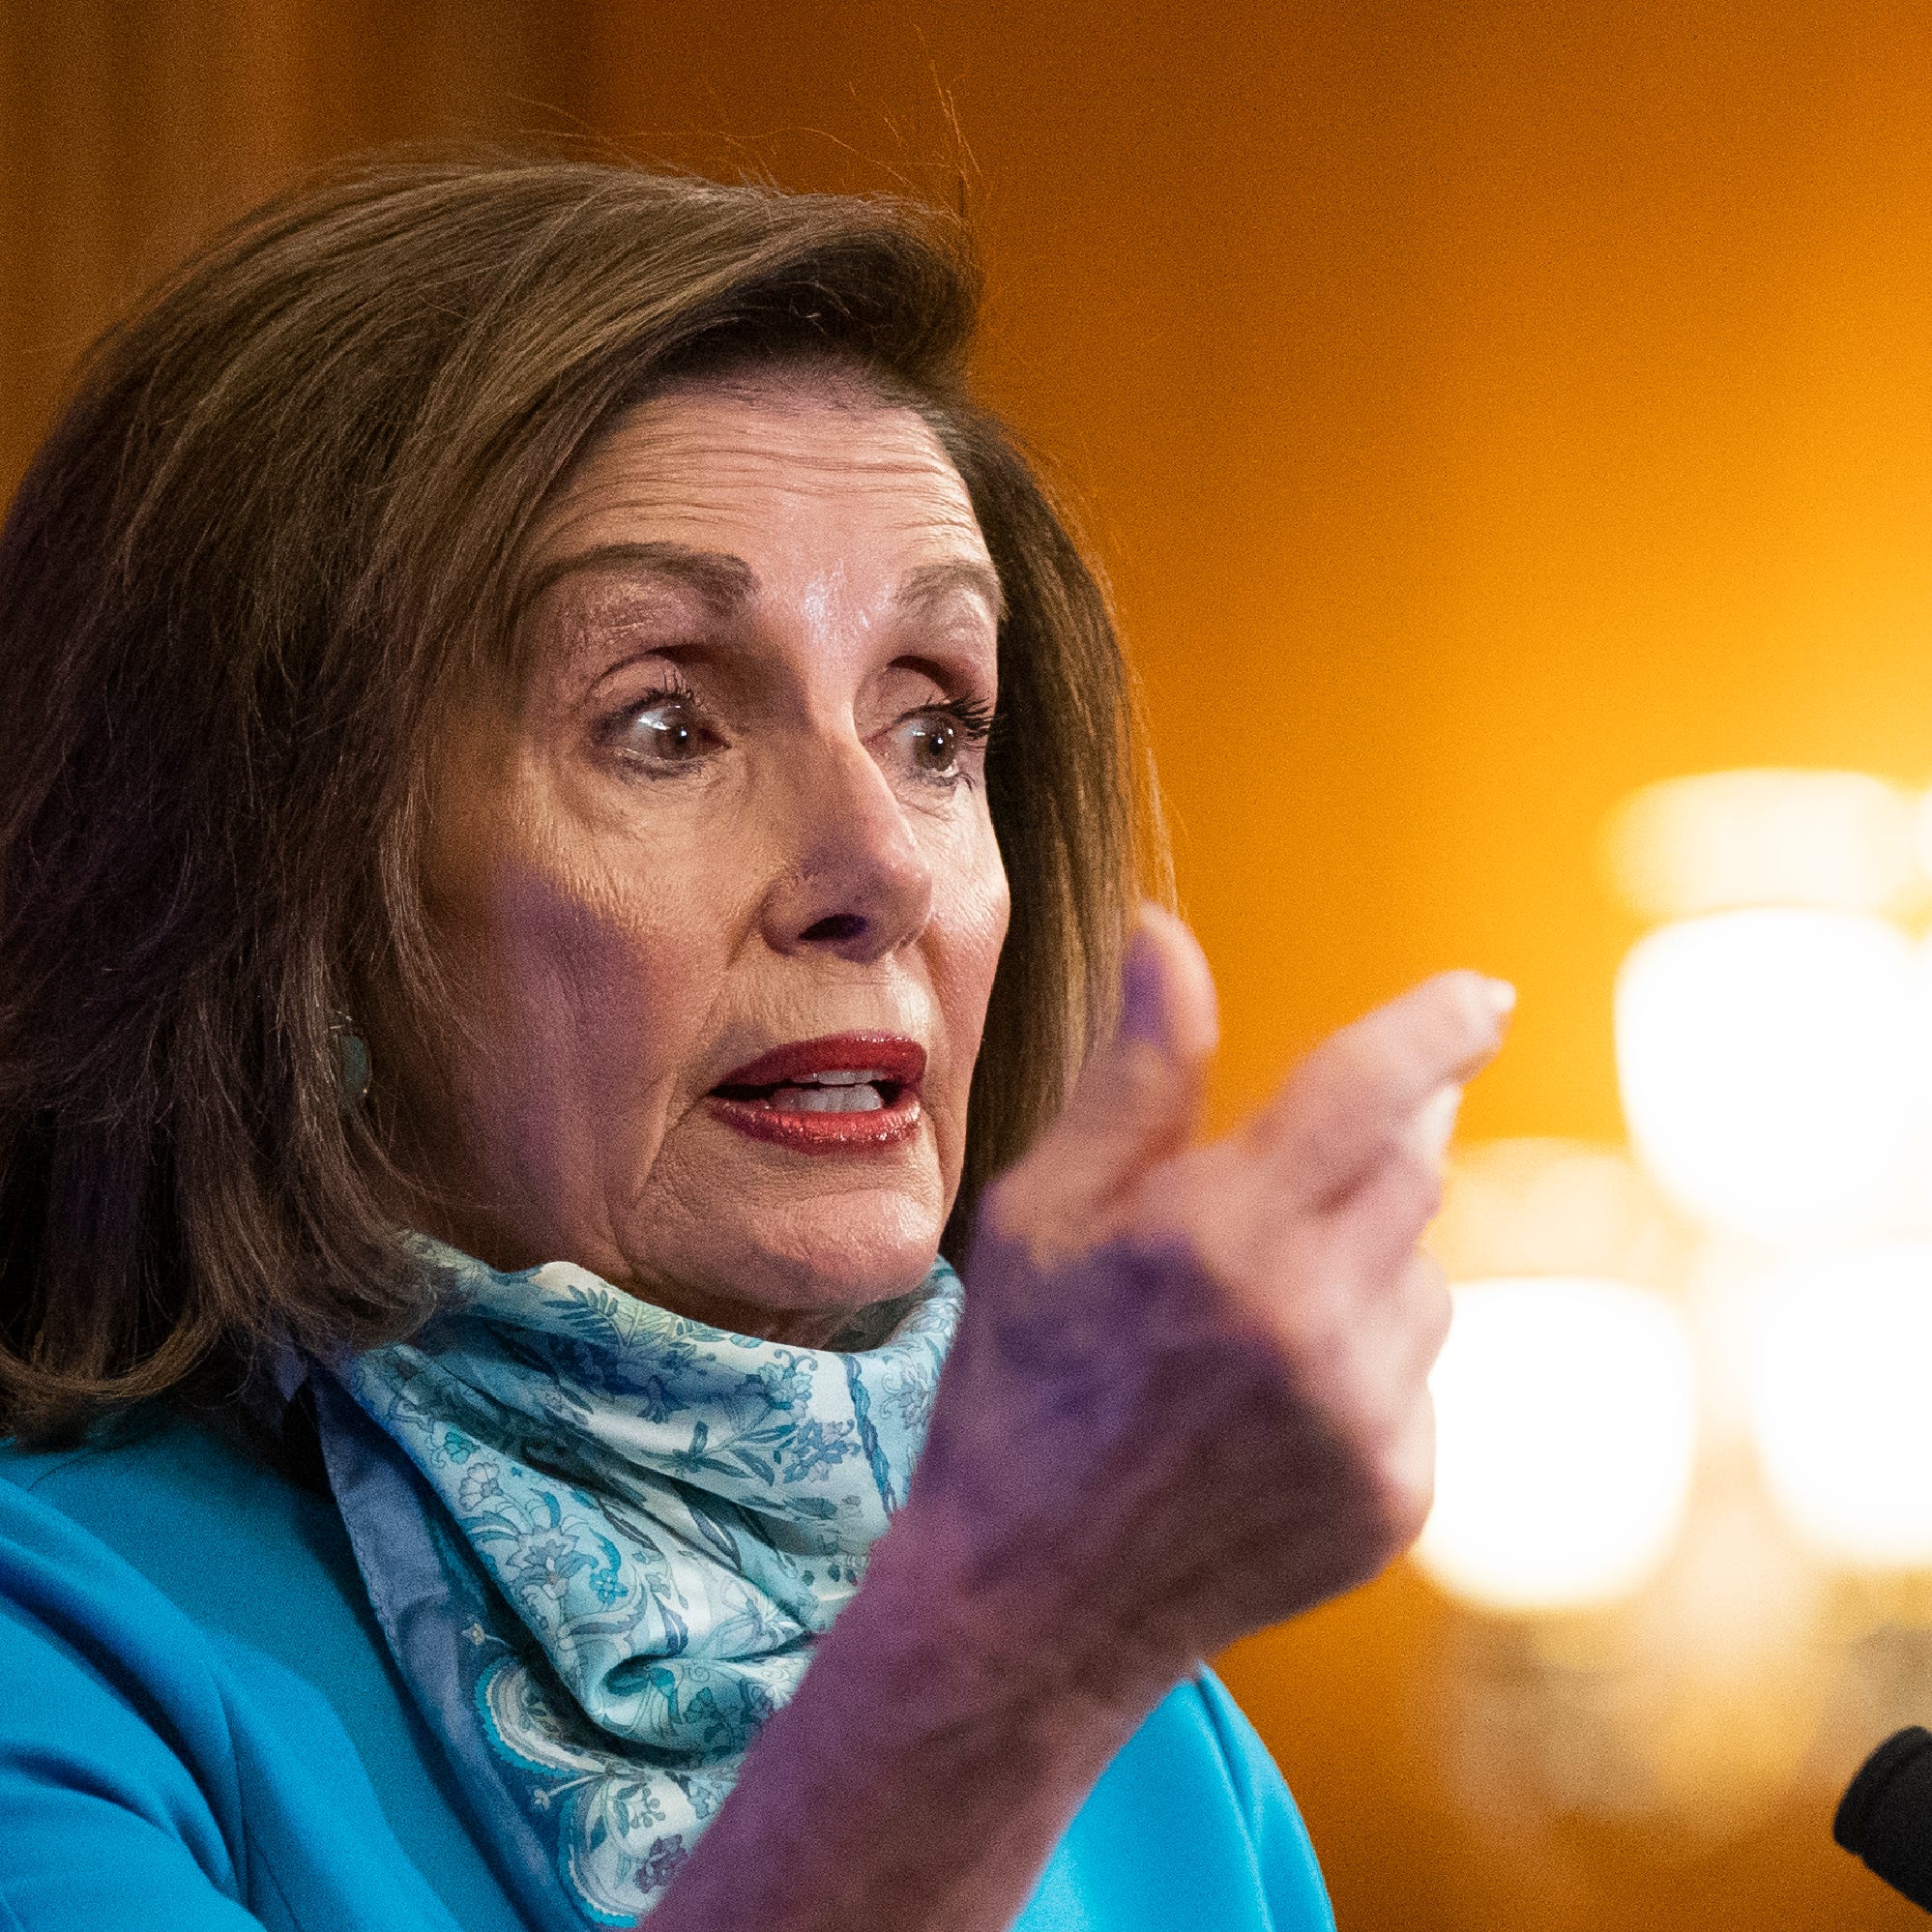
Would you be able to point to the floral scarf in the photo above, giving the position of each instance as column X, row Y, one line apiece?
column 607, row 1545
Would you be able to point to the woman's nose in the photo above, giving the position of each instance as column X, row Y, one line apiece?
column 857, row 882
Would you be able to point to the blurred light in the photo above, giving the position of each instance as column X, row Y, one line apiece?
column 1566, row 1431
column 1924, row 818
column 1841, row 1404
column 1554, row 1206
column 1840, row 840
column 1772, row 1066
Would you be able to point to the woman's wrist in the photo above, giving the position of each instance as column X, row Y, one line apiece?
column 996, row 1642
column 1020, row 1606
column 941, row 1741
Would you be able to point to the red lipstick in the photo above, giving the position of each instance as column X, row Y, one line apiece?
column 846, row 1093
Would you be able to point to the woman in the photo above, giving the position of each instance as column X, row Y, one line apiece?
column 571, row 806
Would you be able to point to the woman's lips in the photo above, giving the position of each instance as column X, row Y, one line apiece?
column 844, row 1093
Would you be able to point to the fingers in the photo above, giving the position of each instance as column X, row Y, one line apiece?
column 1403, row 1335
column 1167, row 992
column 1374, row 1229
column 1408, row 1476
column 1423, row 1296
column 1387, row 1079
column 1136, row 1101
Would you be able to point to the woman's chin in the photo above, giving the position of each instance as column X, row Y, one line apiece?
column 806, row 1265
column 874, row 1265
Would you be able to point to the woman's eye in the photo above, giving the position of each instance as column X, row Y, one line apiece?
column 938, row 744
column 663, row 731
column 933, row 743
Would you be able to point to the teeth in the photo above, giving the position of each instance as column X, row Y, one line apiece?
column 839, row 1077
column 842, row 1098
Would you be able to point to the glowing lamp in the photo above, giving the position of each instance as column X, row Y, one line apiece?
column 1551, row 1207
column 1839, row 840
column 1841, row 1404
column 1772, row 1066
column 1565, row 1436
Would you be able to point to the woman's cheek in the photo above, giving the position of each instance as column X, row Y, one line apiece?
column 975, row 916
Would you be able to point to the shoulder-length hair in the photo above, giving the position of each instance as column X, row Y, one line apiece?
column 275, row 530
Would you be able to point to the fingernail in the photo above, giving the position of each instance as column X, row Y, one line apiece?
column 1435, row 1121
column 1503, row 996
column 1143, row 1010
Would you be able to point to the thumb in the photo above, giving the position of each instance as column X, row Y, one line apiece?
column 1136, row 1099
column 1167, row 992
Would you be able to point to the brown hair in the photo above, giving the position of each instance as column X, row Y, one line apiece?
column 276, row 525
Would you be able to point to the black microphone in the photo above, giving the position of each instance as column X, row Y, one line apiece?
column 1886, row 1814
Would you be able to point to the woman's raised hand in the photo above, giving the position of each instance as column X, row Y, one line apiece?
column 1188, row 1397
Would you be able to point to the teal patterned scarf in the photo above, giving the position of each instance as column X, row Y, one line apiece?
column 653, row 1520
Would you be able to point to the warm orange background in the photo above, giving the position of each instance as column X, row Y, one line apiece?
column 1482, row 409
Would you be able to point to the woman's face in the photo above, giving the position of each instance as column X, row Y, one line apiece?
column 719, row 885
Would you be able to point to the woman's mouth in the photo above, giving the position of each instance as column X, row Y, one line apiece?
column 846, row 1093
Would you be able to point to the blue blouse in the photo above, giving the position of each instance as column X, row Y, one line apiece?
column 201, row 1729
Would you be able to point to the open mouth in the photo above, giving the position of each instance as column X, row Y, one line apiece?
column 845, row 1090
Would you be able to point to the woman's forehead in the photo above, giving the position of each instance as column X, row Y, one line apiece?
column 759, row 462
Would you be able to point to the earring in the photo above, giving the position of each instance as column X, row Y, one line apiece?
column 353, row 1052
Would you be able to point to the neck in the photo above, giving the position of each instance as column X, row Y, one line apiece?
column 793, row 1328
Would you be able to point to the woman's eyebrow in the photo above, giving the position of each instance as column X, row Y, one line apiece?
column 723, row 582
column 932, row 583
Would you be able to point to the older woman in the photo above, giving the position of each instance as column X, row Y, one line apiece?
column 568, row 807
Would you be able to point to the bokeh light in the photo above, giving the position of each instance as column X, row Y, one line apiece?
column 1549, row 1206
column 1566, row 1433
column 1772, row 1066
column 1841, row 840
column 1841, row 1404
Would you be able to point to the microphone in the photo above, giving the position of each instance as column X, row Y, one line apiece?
column 1886, row 1815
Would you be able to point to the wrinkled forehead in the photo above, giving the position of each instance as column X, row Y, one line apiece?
column 758, row 464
